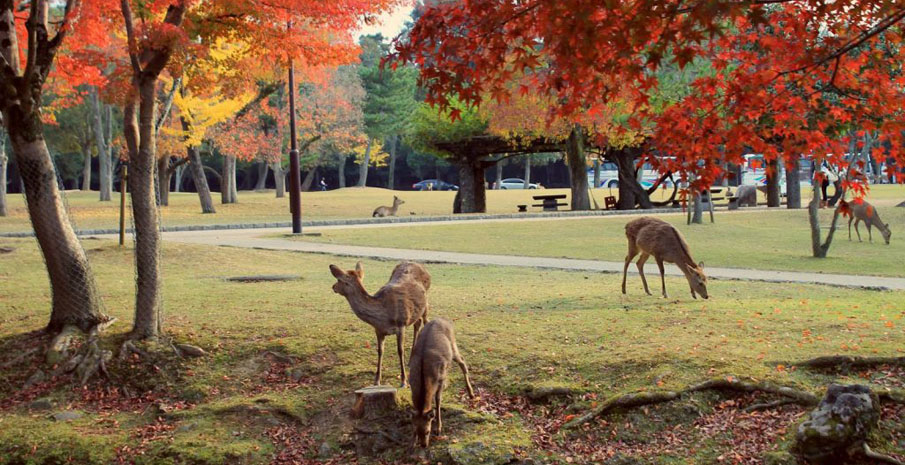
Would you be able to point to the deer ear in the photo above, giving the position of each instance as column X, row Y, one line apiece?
column 701, row 265
column 359, row 270
column 431, row 414
column 337, row 273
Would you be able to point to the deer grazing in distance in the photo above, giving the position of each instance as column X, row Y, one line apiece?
column 388, row 211
column 429, row 364
column 863, row 211
column 401, row 302
column 652, row 236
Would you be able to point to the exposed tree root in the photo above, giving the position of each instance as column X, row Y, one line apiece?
column 638, row 399
column 19, row 358
column 87, row 361
column 768, row 405
column 869, row 453
column 847, row 361
column 896, row 396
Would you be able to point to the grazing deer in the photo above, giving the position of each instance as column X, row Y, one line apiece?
column 401, row 302
column 388, row 211
column 867, row 213
column 428, row 369
column 652, row 236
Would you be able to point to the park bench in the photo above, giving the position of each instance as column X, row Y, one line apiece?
column 522, row 208
column 550, row 202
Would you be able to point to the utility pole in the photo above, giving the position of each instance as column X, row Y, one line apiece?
column 295, row 187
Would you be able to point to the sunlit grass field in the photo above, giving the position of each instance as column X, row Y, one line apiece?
column 517, row 328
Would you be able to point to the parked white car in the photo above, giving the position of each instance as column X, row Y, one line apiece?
column 515, row 183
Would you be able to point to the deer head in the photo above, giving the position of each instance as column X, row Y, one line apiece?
column 697, row 280
column 886, row 233
column 347, row 282
column 422, row 422
column 397, row 201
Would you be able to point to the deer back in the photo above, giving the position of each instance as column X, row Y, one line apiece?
column 429, row 362
column 664, row 241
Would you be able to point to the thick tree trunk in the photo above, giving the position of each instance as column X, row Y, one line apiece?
column 630, row 191
column 142, row 142
column 76, row 300
column 341, row 171
column 774, row 194
column 309, row 179
column 793, row 185
column 86, row 167
column 163, row 181
column 527, row 171
column 228, row 180
column 472, row 189
column 3, row 167
column 196, row 167
column 279, row 179
column 261, row 182
column 104, row 162
column 391, row 174
column 578, row 177
column 696, row 211
column 363, row 167
column 498, row 177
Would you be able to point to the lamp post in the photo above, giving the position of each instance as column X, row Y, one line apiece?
column 295, row 204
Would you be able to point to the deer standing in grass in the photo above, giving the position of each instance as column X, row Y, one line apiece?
column 401, row 302
column 388, row 211
column 652, row 236
column 867, row 213
column 429, row 364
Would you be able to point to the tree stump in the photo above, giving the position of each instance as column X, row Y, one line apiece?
column 373, row 401
column 838, row 428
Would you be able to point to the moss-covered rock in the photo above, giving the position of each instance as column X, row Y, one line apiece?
column 844, row 418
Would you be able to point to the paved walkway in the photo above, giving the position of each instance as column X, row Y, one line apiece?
column 252, row 238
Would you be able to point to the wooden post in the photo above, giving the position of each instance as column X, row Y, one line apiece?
column 122, row 205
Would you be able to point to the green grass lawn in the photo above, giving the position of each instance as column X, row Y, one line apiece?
column 517, row 328
column 257, row 207
column 774, row 240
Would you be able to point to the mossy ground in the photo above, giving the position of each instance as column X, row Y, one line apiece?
column 516, row 327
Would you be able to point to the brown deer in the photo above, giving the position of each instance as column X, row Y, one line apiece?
column 652, row 236
column 401, row 302
column 388, row 211
column 429, row 364
column 867, row 213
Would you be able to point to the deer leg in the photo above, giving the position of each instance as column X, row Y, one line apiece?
column 418, row 324
column 858, row 231
column 632, row 252
column 439, row 421
column 400, row 338
column 663, row 277
column 641, row 271
column 850, row 219
column 380, row 338
column 870, row 234
column 461, row 361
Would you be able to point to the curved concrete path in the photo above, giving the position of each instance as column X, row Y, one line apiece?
column 258, row 239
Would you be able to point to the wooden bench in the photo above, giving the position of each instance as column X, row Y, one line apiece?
column 522, row 208
column 610, row 202
column 550, row 202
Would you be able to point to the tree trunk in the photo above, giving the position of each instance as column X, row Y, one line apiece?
column 228, row 180
column 341, row 174
column 596, row 173
column 163, row 181
column 578, row 177
column 498, row 177
column 104, row 161
column 630, row 191
column 696, row 212
column 793, row 185
column 261, row 182
column 820, row 250
column 363, row 167
column 309, row 178
column 142, row 142
column 3, row 167
column 774, row 194
column 391, row 174
column 177, row 186
column 527, row 171
column 472, row 189
column 76, row 300
column 196, row 168
column 279, row 179
column 86, row 167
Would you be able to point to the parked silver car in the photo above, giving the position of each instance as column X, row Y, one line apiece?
column 515, row 183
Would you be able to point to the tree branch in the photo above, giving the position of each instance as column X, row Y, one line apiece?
column 130, row 36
